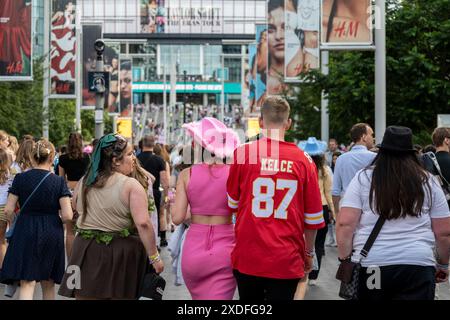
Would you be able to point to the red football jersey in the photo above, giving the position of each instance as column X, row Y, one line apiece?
column 274, row 187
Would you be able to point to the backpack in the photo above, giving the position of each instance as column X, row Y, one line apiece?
column 431, row 165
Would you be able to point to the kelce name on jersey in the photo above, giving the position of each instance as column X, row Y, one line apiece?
column 276, row 165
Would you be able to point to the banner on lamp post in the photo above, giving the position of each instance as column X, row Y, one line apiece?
column 16, row 44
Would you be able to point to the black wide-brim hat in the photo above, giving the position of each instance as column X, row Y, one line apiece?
column 398, row 139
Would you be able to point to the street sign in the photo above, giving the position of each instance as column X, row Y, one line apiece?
column 98, row 81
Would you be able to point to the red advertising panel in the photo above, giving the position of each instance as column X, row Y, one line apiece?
column 15, row 40
column 63, row 48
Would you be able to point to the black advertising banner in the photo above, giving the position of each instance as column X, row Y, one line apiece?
column 126, row 84
column 98, row 81
column 15, row 40
column 347, row 22
column 63, row 48
column 90, row 34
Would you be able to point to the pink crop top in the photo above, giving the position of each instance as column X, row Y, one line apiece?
column 207, row 190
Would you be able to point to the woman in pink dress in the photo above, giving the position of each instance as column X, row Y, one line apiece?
column 206, row 257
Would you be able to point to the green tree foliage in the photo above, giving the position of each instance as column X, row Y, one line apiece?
column 21, row 111
column 418, row 76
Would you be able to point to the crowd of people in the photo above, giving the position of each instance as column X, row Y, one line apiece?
column 254, row 217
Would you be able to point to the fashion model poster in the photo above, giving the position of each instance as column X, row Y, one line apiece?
column 126, row 83
column 276, row 47
column 90, row 34
column 63, row 48
column 111, row 65
column 347, row 22
column 261, row 65
column 15, row 40
column 302, row 37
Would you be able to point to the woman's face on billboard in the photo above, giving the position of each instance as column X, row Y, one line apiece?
column 276, row 34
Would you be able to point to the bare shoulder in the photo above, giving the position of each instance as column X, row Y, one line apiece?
column 185, row 174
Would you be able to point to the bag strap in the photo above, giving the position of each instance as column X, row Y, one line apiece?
column 433, row 158
column 372, row 237
column 39, row 184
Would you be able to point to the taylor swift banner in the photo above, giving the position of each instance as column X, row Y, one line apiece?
column 63, row 49
column 15, row 40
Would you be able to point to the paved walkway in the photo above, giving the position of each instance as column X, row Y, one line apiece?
column 326, row 289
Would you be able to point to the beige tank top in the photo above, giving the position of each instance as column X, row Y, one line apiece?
column 106, row 211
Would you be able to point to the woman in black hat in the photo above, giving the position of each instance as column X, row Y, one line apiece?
column 411, row 252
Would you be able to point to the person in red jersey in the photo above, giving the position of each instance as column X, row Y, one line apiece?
column 273, row 186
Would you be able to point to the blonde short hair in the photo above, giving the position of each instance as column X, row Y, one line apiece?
column 275, row 110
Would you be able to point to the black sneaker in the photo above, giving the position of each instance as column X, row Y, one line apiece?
column 163, row 243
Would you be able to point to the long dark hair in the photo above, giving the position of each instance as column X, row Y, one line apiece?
column 105, row 169
column 75, row 146
column 397, row 187
column 319, row 161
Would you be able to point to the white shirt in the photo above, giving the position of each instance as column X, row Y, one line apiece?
column 407, row 240
column 347, row 165
column 4, row 190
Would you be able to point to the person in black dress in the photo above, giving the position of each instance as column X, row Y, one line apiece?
column 72, row 166
column 36, row 248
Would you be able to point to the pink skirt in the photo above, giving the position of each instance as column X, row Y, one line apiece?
column 206, row 262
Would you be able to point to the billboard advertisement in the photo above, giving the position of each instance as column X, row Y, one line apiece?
column 63, row 49
column 125, row 87
column 276, row 46
column 153, row 16
column 15, row 40
column 111, row 65
column 261, row 65
column 347, row 22
column 90, row 34
column 175, row 16
column 301, row 37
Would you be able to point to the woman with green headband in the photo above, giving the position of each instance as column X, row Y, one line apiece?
column 114, row 231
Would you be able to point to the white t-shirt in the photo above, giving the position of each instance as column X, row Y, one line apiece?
column 407, row 240
column 4, row 190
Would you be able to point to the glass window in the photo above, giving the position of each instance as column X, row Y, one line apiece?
column 232, row 49
column 123, row 48
column 233, row 65
column 88, row 8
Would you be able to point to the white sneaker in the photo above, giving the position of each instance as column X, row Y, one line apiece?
column 312, row 282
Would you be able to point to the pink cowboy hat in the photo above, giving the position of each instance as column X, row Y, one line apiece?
column 214, row 136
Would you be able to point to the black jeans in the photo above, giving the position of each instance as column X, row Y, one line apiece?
column 259, row 288
column 399, row 282
column 319, row 245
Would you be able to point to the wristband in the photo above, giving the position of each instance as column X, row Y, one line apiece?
column 310, row 253
column 345, row 259
column 442, row 266
column 155, row 258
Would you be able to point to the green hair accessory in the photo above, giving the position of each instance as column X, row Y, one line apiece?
column 104, row 142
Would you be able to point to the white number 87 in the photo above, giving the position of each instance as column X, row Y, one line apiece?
column 260, row 197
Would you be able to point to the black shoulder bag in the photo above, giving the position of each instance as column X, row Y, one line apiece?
column 348, row 272
column 445, row 185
